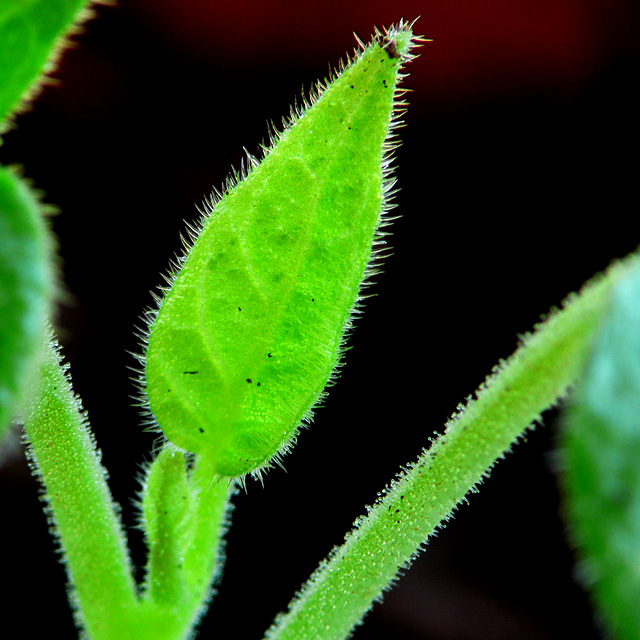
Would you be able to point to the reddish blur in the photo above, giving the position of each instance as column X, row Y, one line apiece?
column 481, row 50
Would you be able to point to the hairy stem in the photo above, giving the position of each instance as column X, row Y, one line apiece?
column 342, row 590
column 80, row 506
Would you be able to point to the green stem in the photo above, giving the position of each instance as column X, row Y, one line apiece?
column 81, row 506
column 91, row 536
column 342, row 590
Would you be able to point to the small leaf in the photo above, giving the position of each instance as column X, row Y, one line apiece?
column 184, row 516
column 30, row 33
column 25, row 290
column 168, row 505
column 601, row 454
column 253, row 326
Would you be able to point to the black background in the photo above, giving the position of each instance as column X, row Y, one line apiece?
column 518, row 177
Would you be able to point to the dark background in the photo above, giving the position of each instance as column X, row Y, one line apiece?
column 518, row 177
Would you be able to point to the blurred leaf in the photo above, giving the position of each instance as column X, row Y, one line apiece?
column 601, row 451
column 25, row 289
column 31, row 39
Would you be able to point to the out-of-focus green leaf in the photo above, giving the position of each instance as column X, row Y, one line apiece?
column 25, row 289
column 31, row 33
column 601, row 470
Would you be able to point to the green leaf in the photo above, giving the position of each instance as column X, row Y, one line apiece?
column 30, row 42
column 184, row 518
column 168, row 522
column 25, row 290
column 253, row 326
column 601, row 455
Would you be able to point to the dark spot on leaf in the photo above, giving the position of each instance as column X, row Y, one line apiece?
column 249, row 380
column 384, row 82
column 190, row 373
column 239, row 308
column 390, row 47
column 258, row 384
column 269, row 355
column 200, row 429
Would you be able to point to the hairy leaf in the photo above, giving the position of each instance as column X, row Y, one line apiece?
column 252, row 327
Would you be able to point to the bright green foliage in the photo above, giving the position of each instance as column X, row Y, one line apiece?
column 30, row 32
column 185, row 554
column 30, row 36
column 25, row 289
column 601, row 453
column 345, row 586
column 251, row 329
column 242, row 347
